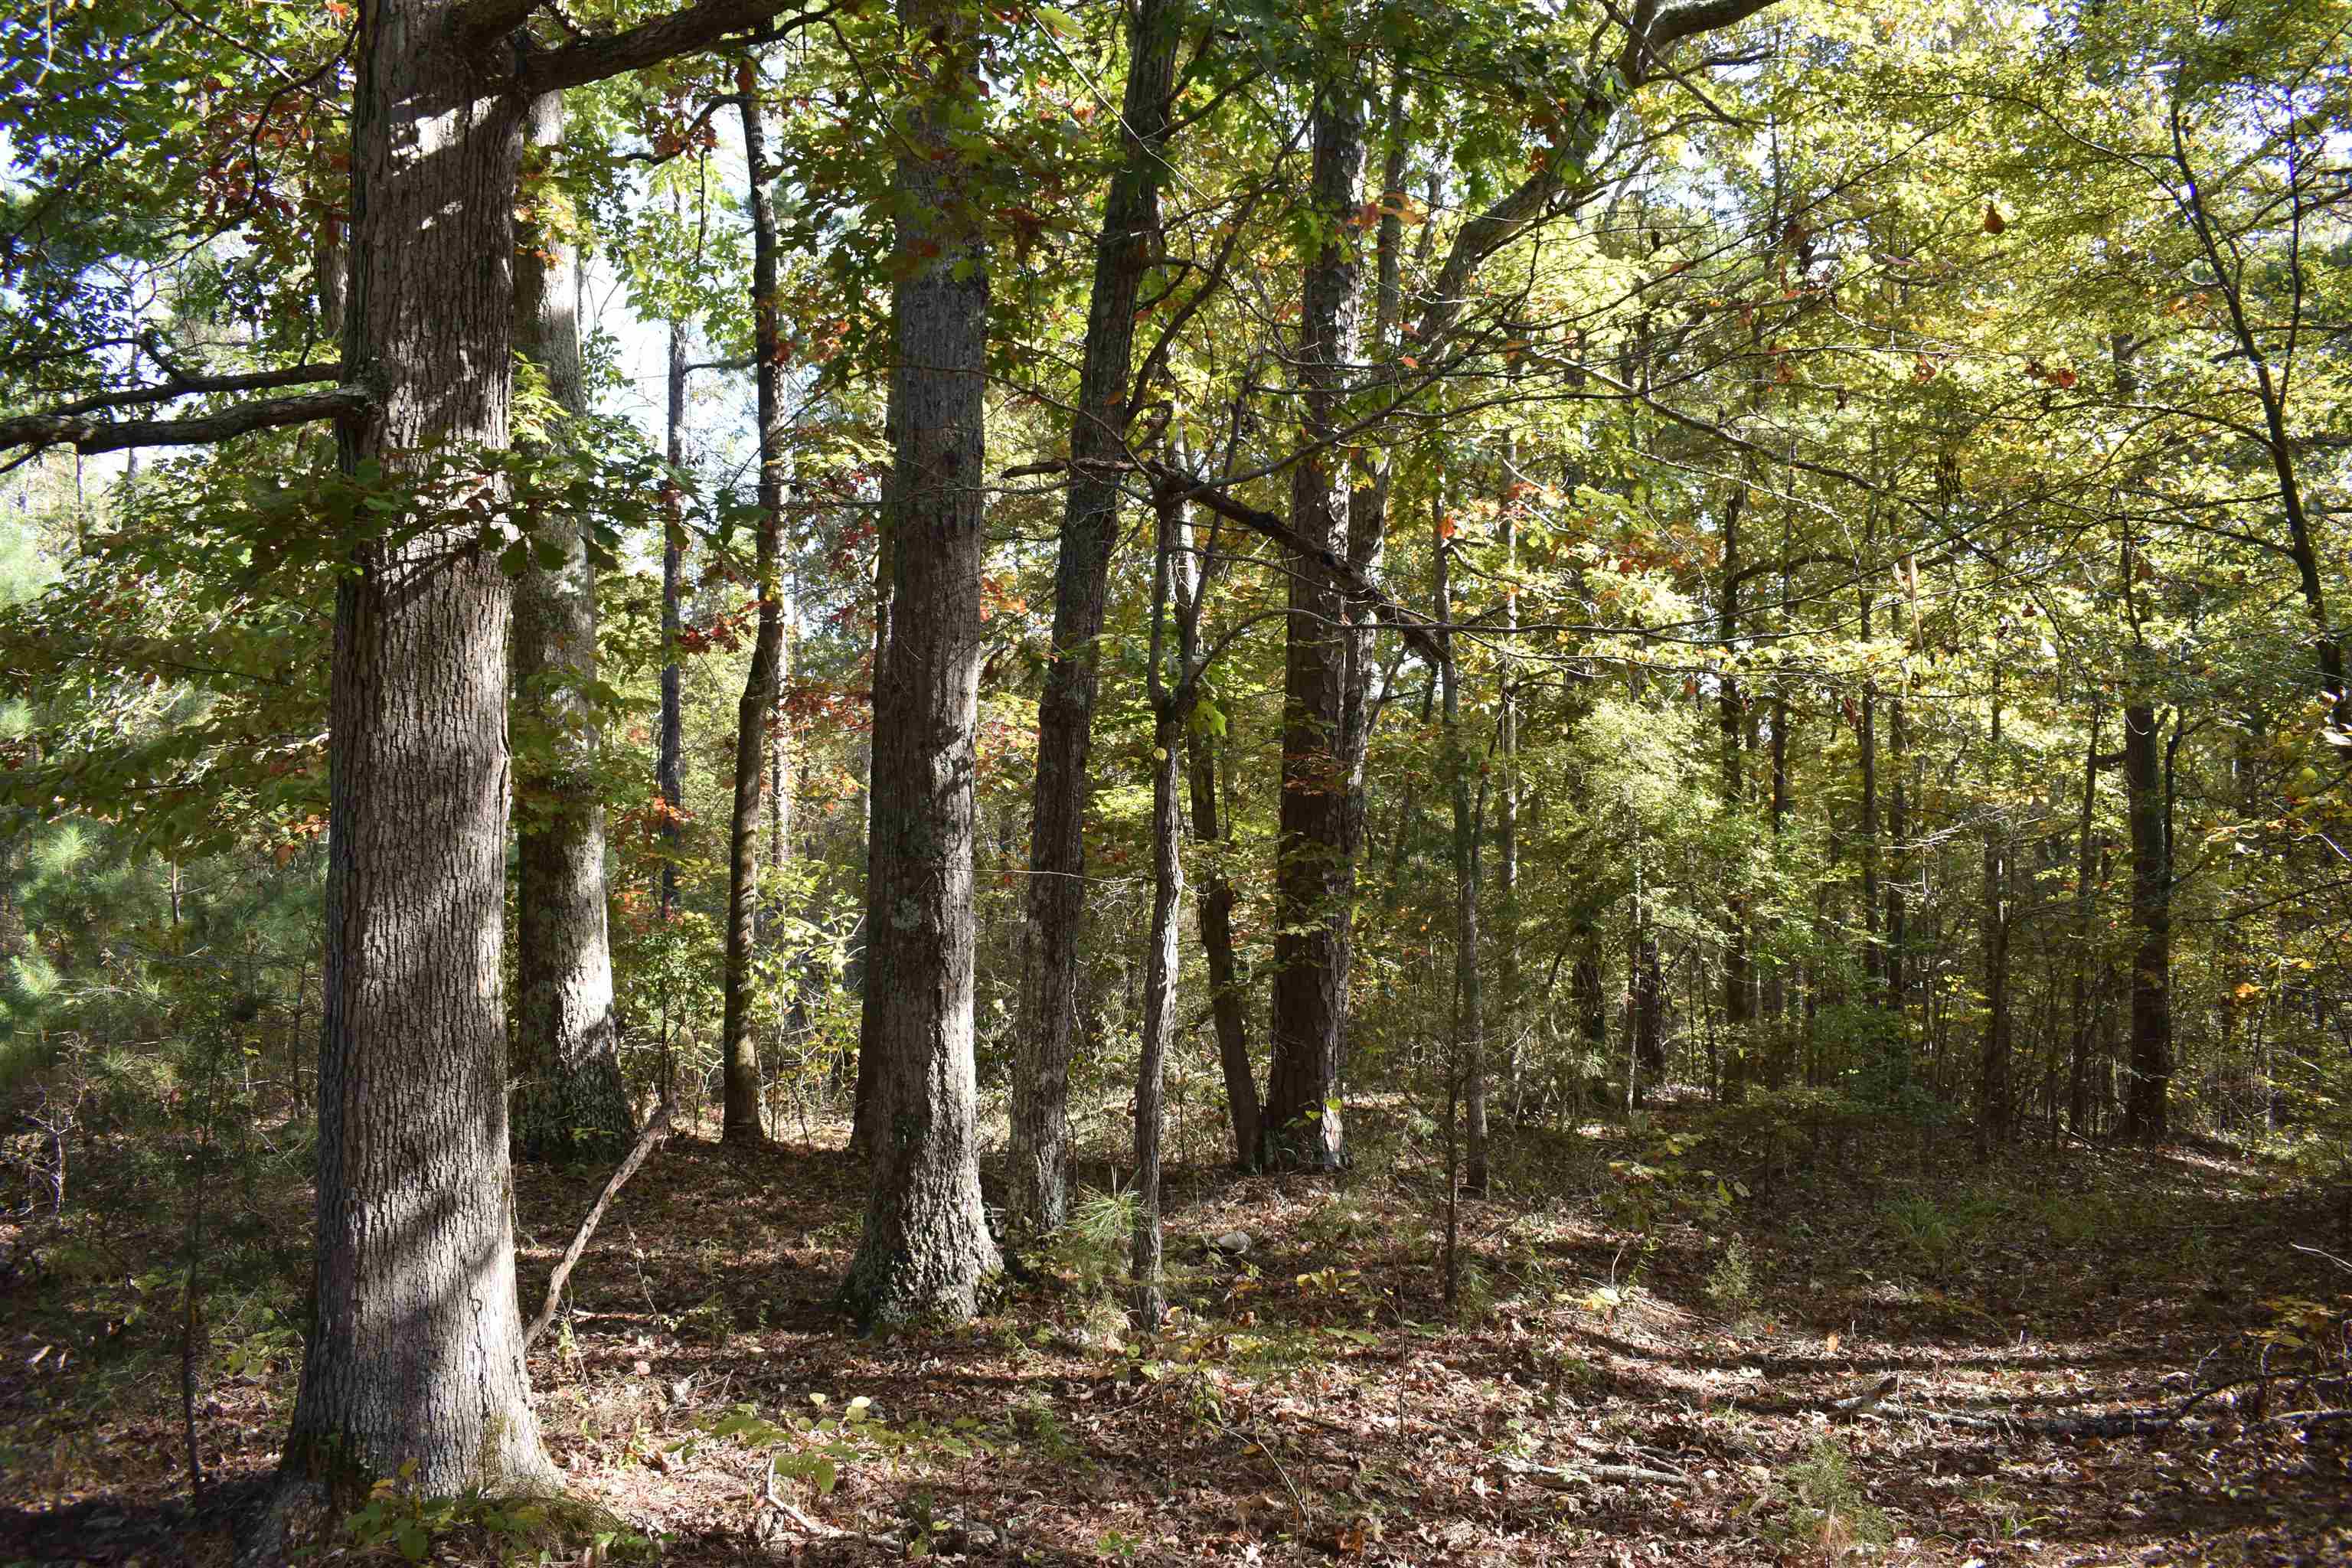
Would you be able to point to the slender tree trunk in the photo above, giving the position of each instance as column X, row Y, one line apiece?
column 669, row 768
column 1124, row 253
column 861, row 1130
column 1467, row 1062
column 2078, row 1074
column 414, row 1367
column 1171, row 709
column 739, row 1054
column 1228, row 992
column 1731, row 719
column 2145, row 1103
column 1506, row 826
column 1315, row 871
column 926, row 1246
column 569, row 1098
column 1994, row 1108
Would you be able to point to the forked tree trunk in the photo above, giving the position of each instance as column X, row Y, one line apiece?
column 926, row 1247
column 1315, row 871
column 569, row 1098
column 1124, row 253
column 414, row 1365
column 739, row 1055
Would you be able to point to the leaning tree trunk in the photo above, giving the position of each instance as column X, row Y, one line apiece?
column 414, row 1367
column 1315, row 871
column 926, row 1246
column 738, row 1053
column 569, row 1098
column 1124, row 253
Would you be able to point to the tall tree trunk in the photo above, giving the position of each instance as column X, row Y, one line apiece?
column 1731, row 720
column 1507, row 824
column 1124, row 253
column 569, row 1098
column 415, row 1366
column 1315, row 869
column 926, row 1246
column 2145, row 1102
column 1465, row 1062
column 1994, row 1109
column 2082, row 1020
column 1170, row 707
column 1228, row 993
column 738, row 1053
column 861, row 1129
column 670, row 764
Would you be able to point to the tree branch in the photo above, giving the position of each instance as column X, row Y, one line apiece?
column 87, row 435
column 182, row 385
column 713, row 23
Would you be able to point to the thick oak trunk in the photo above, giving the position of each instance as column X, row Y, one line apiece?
column 415, row 1359
column 1125, row 251
column 926, row 1247
column 569, row 1098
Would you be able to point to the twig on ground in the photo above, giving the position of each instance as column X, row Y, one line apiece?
column 656, row 1129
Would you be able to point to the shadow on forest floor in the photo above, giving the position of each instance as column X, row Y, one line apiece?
column 1621, row 1313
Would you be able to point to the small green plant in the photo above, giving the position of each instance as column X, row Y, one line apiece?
column 1091, row 1250
column 399, row 1523
column 1827, row 1510
column 1731, row 1283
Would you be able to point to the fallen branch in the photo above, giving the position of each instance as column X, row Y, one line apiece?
column 1550, row 1475
column 818, row 1528
column 656, row 1129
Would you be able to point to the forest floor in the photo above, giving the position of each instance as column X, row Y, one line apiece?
column 1653, row 1335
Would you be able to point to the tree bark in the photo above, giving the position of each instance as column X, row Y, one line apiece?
column 926, row 1247
column 414, row 1362
column 1314, row 870
column 1124, row 253
column 1731, row 720
column 2083, row 1018
column 739, row 1055
column 568, row 1101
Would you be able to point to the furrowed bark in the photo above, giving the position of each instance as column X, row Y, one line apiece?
column 926, row 1247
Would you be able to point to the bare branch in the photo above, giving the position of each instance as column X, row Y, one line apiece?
column 87, row 435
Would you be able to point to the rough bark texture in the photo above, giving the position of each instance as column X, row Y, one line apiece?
column 416, row 1354
column 861, row 1128
column 739, row 1054
column 926, row 1247
column 1124, row 253
column 570, row 1102
column 1314, row 873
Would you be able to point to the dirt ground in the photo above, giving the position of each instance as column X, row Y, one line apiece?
column 1652, row 1341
